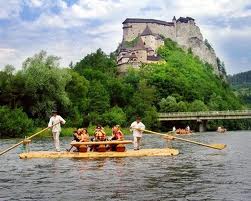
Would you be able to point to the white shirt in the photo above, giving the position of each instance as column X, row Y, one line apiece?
column 54, row 120
column 137, row 133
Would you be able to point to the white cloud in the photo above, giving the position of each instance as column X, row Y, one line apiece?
column 35, row 3
column 6, row 54
column 9, row 9
column 86, row 25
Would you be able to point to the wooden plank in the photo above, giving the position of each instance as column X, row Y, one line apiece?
column 102, row 142
column 128, row 153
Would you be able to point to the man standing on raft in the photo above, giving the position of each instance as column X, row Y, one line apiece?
column 58, row 120
column 136, row 127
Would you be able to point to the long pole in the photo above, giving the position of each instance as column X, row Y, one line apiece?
column 28, row 138
column 213, row 146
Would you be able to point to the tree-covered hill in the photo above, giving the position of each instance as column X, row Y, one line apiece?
column 241, row 83
column 240, row 79
column 91, row 92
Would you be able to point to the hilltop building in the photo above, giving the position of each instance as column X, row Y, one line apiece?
column 142, row 38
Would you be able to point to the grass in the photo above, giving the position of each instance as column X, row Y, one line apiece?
column 69, row 131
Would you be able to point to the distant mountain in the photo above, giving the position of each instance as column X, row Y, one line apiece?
column 240, row 79
column 241, row 83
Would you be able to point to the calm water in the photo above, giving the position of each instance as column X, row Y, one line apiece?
column 198, row 173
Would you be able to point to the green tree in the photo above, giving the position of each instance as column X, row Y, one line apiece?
column 168, row 104
column 99, row 100
column 197, row 106
column 114, row 116
column 44, row 85
column 14, row 122
column 98, row 60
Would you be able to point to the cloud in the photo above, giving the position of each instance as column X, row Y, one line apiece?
column 10, row 9
column 72, row 29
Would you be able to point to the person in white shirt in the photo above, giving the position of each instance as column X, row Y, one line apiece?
column 188, row 128
column 137, row 133
column 58, row 120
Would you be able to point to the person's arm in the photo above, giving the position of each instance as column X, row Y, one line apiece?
column 143, row 127
column 50, row 123
column 81, row 138
column 62, row 121
column 132, row 127
column 121, row 135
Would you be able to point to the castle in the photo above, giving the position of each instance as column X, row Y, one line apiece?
column 142, row 38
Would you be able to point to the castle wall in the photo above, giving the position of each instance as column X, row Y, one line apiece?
column 149, row 41
column 141, row 55
column 135, row 29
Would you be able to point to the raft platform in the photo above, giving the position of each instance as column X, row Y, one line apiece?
column 108, row 154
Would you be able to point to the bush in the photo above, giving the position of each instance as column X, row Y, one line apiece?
column 115, row 116
column 14, row 122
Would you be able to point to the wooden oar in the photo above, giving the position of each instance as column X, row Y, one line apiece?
column 214, row 146
column 15, row 145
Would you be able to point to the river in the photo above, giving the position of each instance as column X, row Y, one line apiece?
column 197, row 173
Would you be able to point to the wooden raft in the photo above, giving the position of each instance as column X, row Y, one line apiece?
column 108, row 154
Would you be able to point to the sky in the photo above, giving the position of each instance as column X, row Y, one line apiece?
column 72, row 29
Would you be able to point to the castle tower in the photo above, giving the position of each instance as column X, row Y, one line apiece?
column 148, row 38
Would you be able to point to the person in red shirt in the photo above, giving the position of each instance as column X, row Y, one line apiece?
column 117, row 133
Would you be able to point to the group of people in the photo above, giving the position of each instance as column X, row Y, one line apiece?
column 187, row 130
column 82, row 135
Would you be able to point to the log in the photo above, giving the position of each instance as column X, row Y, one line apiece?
column 120, row 148
column 82, row 148
column 108, row 154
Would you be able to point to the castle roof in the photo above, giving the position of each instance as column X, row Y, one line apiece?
column 140, row 20
column 147, row 31
column 139, row 45
column 185, row 19
column 174, row 18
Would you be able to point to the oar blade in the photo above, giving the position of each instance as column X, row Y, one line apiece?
column 218, row 146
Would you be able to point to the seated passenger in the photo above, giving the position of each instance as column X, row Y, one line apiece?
column 117, row 133
column 99, row 134
column 76, row 136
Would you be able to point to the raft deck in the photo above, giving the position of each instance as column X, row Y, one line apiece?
column 109, row 154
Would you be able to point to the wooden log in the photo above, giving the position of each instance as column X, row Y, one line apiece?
column 108, row 154
column 120, row 148
column 101, row 148
column 82, row 148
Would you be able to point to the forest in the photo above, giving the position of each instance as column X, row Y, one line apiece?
column 91, row 91
column 241, row 83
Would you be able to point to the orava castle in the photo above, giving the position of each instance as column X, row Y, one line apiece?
column 142, row 37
